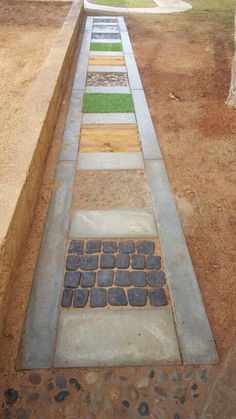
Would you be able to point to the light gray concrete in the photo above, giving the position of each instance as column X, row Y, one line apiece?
column 127, row 222
column 107, row 41
column 195, row 338
column 108, row 118
column 133, row 73
column 97, row 29
column 89, row 23
column 71, row 135
column 107, row 69
column 81, row 70
column 146, row 129
column 127, row 47
column 106, row 89
column 121, row 23
column 107, row 53
column 110, row 161
column 96, row 338
column 40, row 327
column 163, row 6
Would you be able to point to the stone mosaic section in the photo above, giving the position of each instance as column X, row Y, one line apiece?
column 105, row 36
column 114, row 273
column 107, row 79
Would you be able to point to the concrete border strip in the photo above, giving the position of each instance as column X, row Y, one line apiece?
column 106, row 41
column 133, row 73
column 89, row 23
column 121, row 23
column 81, row 70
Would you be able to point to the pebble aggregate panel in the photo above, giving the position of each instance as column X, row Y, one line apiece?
column 109, row 189
column 114, row 273
column 107, row 79
column 105, row 20
column 101, row 46
column 106, row 61
column 109, row 138
column 107, row 103
column 106, row 28
column 105, row 36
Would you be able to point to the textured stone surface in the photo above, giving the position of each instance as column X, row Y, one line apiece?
column 76, row 246
column 87, row 279
column 153, row 262
column 72, row 262
column 138, row 261
column 137, row 296
column 122, row 261
column 105, row 36
column 117, row 297
column 107, row 261
column 71, row 279
column 88, row 262
column 122, row 278
column 105, row 278
column 145, row 247
column 110, row 247
column 93, row 246
column 127, row 246
column 157, row 297
column 156, row 278
column 98, row 297
column 107, row 79
column 80, row 298
column 138, row 279
column 67, row 296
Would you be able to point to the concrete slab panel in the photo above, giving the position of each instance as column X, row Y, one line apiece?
column 107, row 41
column 127, row 47
column 107, row 69
column 133, row 73
column 195, row 338
column 107, row 89
column 106, row 53
column 113, row 223
column 40, row 327
column 147, row 133
column 109, row 118
column 121, row 23
column 110, row 161
column 81, row 70
column 112, row 29
column 89, row 23
column 128, row 337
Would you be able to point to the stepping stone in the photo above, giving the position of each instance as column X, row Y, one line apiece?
column 76, row 246
column 113, row 223
column 137, row 297
column 98, row 297
column 122, row 261
column 122, row 278
column 93, row 246
column 87, row 279
column 138, row 279
column 80, row 298
column 117, row 297
column 72, row 262
column 67, row 296
column 88, row 263
column 102, row 36
column 105, row 278
column 156, row 278
column 71, row 279
column 109, row 247
column 157, row 297
column 146, row 247
column 138, row 261
column 110, row 161
column 107, row 261
column 153, row 262
column 127, row 247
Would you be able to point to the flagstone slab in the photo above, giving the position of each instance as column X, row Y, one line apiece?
column 109, row 118
column 109, row 138
column 113, row 223
column 115, row 338
column 110, row 161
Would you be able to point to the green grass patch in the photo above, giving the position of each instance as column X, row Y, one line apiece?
column 125, row 3
column 99, row 46
column 107, row 103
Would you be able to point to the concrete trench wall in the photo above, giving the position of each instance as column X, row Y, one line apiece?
column 44, row 104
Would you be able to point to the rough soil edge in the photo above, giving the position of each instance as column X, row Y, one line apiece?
column 231, row 99
column 40, row 129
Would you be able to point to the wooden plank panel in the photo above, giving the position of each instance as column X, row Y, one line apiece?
column 106, row 61
column 112, row 138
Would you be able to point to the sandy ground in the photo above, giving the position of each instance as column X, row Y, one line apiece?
column 196, row 137
column 27, row 32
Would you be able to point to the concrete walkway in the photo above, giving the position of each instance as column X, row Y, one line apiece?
column 163, row 6
column 114, row 272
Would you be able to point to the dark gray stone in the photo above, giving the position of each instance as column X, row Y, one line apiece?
column 151, row 373
column 156, row 278
column 88, row 263
column 11, row 396
column 80, row 298
column 194, row 386
column 127, row 247
column 61, row 381
column 153, row 262
column 61, row 396
column 122, row 278
column 117, row 297
column 157, row 297
column 138, row 279
column 105, row 278
column 143, row 409
column 122, row 261
column 105, row 36
column 76, row 246
column 87, row 279
column 35, row 378
column 107, row 261
column 203, row 376
column 71, row 279
column 73, row 382
column 98, row 297
column 145, row 247
column 66, row 299
column 125, row 403
column 93, row 246
column 110, row 247
column 72, row 262
column 138, row 261
column 137, row 296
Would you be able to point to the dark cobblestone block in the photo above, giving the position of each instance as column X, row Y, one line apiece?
column 88, row 279
column 137, row 296
column 71, row 279
column 117, row 297
column 80, row 298
column 88, row 263
column 157, row 297
column 156, row 278
column 138, row 279
column 98, row 297
column 72, row 262
column 127, row 247
column 122, row 278
column 138, row 261
column 145, row 247
column 110, row 247
column 93, row 246
column 122, row 261
column 67, row 295
column 105, row 278
column 153, row 262
column 107, row 261
column 105, row 36
column 76, row 246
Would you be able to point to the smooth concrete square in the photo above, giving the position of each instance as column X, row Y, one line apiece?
column 109, row 118
column 115, row 338
column 110, row 161
column 127, row 222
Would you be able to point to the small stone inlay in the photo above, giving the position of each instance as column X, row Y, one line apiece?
column 105, row 35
